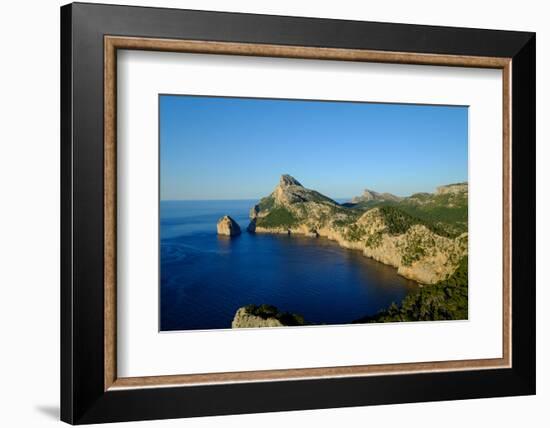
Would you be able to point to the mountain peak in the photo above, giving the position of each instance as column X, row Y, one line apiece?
column 371, row 195
column 290, row 191
column 288, row 180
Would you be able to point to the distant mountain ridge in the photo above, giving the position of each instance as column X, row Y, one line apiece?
column 371, row 195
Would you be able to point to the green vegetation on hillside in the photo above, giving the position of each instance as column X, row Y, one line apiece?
column 269, row 311
column 445, row 300
column 277, row 217
column 398, row 221
column 266, row 203
column 374, row 240
column 355, row 232
column 349, row 216
column 414, row 250
column 445, row 214
column 449, row 208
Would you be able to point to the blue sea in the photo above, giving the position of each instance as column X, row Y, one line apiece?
column 205, row 278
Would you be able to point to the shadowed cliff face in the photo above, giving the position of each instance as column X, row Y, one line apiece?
column 288, row 180
column 289, row 191
column 412, row 234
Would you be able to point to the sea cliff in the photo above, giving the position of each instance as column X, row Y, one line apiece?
column 424, row 236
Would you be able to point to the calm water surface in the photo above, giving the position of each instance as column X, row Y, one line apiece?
column 205, row 278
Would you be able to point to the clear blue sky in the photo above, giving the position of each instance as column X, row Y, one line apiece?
column 236, row 148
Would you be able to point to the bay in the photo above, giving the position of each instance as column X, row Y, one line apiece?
column 205, row 278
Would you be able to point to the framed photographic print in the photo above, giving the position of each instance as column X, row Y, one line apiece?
column 320, row 213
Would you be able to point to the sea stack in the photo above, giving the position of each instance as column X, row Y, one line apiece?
column 228, row 227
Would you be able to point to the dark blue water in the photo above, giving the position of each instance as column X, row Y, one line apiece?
column 205, row 278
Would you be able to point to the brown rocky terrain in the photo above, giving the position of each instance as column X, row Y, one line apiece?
column 243, row 319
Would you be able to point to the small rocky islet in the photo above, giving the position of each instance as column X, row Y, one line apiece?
column 228, row 227
column 424, row 236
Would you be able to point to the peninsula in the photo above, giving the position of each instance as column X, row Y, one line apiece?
column 424, row 235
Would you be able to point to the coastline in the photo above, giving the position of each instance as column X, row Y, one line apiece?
column 332, row 237
column 408, row 272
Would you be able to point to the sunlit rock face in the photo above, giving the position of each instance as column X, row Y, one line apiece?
column 228, row 227
column 243, row 319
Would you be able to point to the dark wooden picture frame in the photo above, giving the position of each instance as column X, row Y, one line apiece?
column 90, row 389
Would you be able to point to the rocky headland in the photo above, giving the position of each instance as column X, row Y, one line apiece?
column 424, row 235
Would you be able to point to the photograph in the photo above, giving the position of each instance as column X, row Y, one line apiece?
column 261, row 212
column 291, row 212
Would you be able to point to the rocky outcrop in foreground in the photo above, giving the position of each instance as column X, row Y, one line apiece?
column 243, row 319
column 254, row 316
column 227, row 226
column 421, row 249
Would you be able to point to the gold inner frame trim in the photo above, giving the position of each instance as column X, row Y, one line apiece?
column 113, row 43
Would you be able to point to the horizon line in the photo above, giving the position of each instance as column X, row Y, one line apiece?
column 348, row 198
column 227, row 199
